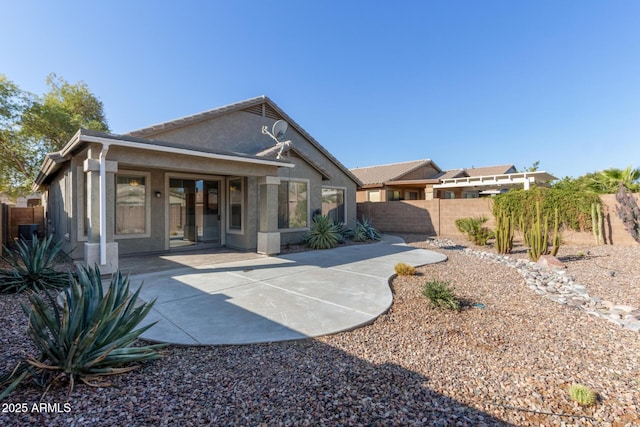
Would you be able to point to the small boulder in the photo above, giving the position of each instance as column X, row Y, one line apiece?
column 551, row 263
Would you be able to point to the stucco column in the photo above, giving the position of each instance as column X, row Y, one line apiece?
column 268, row 234
column 429, row 192
column 92, row 246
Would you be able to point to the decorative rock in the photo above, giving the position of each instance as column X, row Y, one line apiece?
column 550, row 262
column 549, row 278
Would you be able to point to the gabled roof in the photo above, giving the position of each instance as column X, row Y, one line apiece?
column 491, row 170
column 53, row 161
column 451, row 173
column 261, row 105
column 391, row 172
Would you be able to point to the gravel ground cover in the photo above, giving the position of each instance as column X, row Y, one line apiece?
column 509, row 363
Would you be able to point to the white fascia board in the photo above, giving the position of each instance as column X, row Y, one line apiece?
column 174, row 150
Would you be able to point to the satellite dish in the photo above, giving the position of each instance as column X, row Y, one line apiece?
column 279, row 129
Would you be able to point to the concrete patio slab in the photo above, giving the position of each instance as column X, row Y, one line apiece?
column 266, row 299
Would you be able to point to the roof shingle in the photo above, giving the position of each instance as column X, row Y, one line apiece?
column 383, row 173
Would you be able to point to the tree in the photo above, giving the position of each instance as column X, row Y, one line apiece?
column 608, row 181
column 17, row 153
column 532, row 168
column 31, row 127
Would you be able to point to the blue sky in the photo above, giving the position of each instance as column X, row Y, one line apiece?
column 464, row 83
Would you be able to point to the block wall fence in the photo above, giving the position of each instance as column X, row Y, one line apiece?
column 437, row 218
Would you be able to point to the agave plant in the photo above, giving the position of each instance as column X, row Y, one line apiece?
column 85, row 336
column 323, row 234
column 32, row 267
column 345, row 232
column 364, row 230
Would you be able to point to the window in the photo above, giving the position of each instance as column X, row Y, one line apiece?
column 448, row 195
column 393, row 195
column 131, row 204
column 373, row 195
column 293, row 204
column 333, row 203
column 470, row 195
column 235, row 204
column 411, row 195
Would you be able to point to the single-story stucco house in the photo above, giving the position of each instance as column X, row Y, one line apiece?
column 424, row 180
column 217, row 178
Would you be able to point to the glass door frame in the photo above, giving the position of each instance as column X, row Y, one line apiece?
column 221, row 203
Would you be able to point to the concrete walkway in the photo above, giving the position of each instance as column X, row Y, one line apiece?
column 266, row 299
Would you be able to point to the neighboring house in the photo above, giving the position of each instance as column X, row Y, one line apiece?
column 396, row 181
column 213, row 178
column 424, row 180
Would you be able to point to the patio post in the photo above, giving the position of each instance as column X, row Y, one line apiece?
column 268, row 234
column 99, row 249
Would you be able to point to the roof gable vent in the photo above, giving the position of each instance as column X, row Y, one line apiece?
column 264, row 110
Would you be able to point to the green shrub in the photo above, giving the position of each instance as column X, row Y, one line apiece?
column 323, row 234
column 85, row 336
column 403, row 269
column 365, row 231
column 32, row 267
column 345, row 233
column 574, row 206
column 582, row 394
column 475, row 230
column 441, row 295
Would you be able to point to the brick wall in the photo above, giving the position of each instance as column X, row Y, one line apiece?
column 437, row 218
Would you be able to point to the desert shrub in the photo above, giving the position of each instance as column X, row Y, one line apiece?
column 365, row 231
column 32, row 267
column 582, row 394
column 441, row 295
column 574, row 206
column 403, row 269
column 474, row 229
column 345, row 233
column 324, row 233
column 85, row 336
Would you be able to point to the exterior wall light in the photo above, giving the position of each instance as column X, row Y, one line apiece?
column 158, row 194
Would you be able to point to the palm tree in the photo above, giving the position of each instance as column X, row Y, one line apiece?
column 608, row 181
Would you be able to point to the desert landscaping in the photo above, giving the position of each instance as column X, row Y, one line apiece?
column 508, row 357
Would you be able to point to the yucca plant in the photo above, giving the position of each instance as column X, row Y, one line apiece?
column 441, row 295
column 365, row 231
column 324, row 233
column 32, row 267
column 85, row 336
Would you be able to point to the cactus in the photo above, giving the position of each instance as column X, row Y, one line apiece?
column 599, row 213
column 504, row 233
column 537, row 236
column 596, row 222
column 583, row 394
column 555, row 240
column 522, row 226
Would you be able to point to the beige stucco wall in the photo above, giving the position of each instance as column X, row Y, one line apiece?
column 437, row 218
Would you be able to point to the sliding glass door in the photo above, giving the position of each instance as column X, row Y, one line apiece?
column 194, row 212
